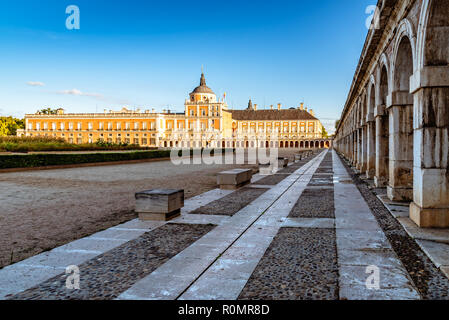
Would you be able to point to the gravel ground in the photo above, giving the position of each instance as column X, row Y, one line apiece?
column 108, row 275
column 272, row 180
column 300, row 264
column 232, row 203
column 43, row 209
column 318, row 201
column 429, row 280
column 315, row 203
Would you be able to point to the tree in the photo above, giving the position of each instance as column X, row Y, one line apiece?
column 48, row 111
column 337, row 122
column 324, row 133
column 9, row 126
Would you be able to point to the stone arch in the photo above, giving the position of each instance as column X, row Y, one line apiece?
column 404, row 57
column 371, row 95
column 432, row 40
column 301, row 144
column 384, row 87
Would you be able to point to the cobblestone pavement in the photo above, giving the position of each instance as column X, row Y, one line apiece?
column 310, row 235
column 111, row 273
column 232, row 203
column 300, row 264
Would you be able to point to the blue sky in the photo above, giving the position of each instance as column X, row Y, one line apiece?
column 148, row 54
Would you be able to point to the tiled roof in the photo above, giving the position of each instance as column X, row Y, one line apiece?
column 284, row 114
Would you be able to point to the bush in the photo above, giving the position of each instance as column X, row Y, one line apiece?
column 29, row 144
column 43, row 160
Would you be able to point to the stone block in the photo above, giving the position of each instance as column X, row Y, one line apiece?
column 282, row 162
column 266, row 169
column 159, row 204
column 234, row 179
column 428, row 217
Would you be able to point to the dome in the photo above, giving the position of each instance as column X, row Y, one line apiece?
column 202, row 88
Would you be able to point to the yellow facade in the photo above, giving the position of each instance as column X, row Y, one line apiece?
column 206, row 122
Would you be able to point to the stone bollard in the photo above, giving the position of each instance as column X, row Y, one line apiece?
column 298, row 157
column 266, row 169
column 159, row 204
column 234, row 179
column 282, row 162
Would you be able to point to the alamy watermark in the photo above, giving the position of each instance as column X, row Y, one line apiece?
column 373, row 20
column 373, row 280
column 73, row 20
column 73, row 277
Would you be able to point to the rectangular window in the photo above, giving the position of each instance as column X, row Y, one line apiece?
column 79, row 126
column 45, row 126
column 101, row 126
column 53, row 126
column 153, row 125
column 30, row 126
column 38, row 126
column 136, row 126
column 144, row 141
column 127, row 126
column 144, row 125
column 90, row 126
column 119, row 125
column 109, row 125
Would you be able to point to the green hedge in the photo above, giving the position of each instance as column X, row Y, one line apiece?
column 43, row 160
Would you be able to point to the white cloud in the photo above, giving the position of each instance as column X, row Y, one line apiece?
column 35, row 83
column 76, row 92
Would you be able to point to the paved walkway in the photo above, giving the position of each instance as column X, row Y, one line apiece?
column 308, row 235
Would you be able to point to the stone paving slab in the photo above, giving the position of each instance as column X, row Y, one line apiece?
column 16, row 278
column 391, row 278
column 308, row 223
column 437, row 252
column 362, row 243
column 437, row 235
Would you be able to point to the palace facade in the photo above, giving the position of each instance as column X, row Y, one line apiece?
column 206, row 122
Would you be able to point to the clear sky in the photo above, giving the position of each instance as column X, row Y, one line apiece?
column 148, row 54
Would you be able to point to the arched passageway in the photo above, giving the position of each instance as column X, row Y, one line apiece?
column 400, row 112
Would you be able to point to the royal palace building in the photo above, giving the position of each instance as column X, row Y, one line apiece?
column 206, row 122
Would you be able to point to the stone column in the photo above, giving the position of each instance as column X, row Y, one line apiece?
column 400, row 112
column 362, row 145
column 370, row 146
column 381, row 176
column 430, row 206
